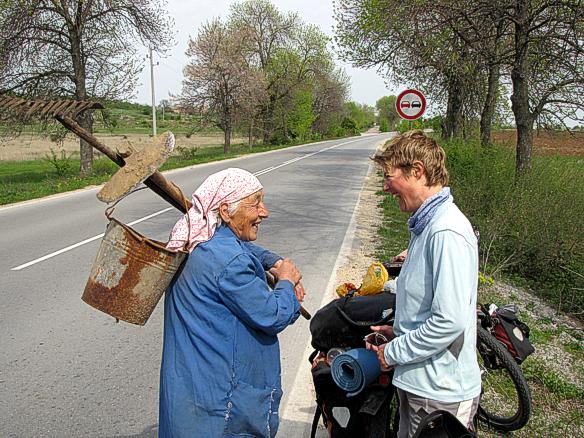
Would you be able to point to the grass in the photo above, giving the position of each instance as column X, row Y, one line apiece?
column 393, row 233
column 555, row 372
column 138, row 120
column 23, row 180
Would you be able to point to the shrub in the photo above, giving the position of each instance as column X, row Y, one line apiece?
column 531, row 227
column 60, row 161
column 383, row 126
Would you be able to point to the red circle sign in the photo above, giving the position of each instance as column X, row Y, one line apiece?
column 410, row 104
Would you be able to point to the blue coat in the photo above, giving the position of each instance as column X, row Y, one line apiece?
column 220, row 373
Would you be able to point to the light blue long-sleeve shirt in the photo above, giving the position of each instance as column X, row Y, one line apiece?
column 435, row 325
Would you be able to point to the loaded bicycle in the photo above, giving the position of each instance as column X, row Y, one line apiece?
column 505, row 403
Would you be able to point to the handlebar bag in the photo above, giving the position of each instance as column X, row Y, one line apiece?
column 345, row 321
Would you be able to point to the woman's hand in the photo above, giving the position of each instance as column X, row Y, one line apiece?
column 286, row 270
column 379, row 351
column 299, row 291
column 401, row 256
column 386, row 330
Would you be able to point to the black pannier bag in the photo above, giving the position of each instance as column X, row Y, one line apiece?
column 369, row 414
column 442, row 424
column 513, row 333
column 344, row 322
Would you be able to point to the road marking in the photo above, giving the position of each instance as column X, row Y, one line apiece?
column 83, row 242
column 150, row 216
column 299, row 409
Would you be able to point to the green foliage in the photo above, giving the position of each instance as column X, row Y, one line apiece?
column 61, row 162
column 187, row 153
column 531, row 228
column 362, row 116
column 387, row 114
column 349, row 125
column 383, row 125
column 300, row 117
column 538, row 369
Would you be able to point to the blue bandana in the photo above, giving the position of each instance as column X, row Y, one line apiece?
column 418, row 221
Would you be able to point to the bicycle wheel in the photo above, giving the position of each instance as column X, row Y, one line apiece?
column 505, row 399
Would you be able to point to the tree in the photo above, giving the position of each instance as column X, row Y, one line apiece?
column 362, row 114
column 458, row 51
column 288, row 52
column 219, row 81
column 331, row 89
column 79, row 49
column 547, row 69
column 300, row 116
column 416, row 42
column 386, row 113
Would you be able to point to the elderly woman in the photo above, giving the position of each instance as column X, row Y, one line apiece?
column 220, row 373
column 433, row 350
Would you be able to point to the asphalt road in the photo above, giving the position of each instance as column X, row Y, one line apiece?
column 67, row 370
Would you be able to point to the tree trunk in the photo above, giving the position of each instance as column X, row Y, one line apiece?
column 85, row 149
column 250, row 133
column 520, row 98
column 86, row 119
column 453, row 121
column 268, row 121
column 227, row 137
column 489, row 105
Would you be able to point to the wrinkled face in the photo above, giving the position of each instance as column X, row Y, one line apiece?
column 404, row 190
column 246, row 220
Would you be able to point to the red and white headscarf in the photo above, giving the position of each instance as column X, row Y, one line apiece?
column 229, row 185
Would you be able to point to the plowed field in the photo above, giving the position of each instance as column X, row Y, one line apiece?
column 548, row 143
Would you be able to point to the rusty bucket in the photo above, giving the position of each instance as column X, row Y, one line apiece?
column 130, row 273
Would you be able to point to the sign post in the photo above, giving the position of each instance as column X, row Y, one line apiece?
column 410, row 104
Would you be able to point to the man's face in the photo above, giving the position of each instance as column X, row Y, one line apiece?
column 246, row 220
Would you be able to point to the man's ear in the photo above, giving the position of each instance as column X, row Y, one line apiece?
column 224, row 212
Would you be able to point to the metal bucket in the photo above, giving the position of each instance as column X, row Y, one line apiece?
column 130, row 274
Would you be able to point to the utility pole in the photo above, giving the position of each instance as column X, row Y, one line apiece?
column 152, row 92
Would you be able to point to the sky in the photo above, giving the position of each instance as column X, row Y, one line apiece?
column 366, row 85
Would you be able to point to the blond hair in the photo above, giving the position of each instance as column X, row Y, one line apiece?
column 402, row 150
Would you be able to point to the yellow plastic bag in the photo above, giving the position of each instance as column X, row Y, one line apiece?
column 344, row 288
column 374, row 280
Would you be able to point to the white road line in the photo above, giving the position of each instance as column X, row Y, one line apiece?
column 83, row 242
column 299, row 409
column 99, row 236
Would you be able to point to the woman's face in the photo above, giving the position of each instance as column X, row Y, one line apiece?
column 246, row 220
column 405, row 190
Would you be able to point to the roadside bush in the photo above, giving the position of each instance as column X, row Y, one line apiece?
column 532, row 228
column 383, row 125
column 60, row 160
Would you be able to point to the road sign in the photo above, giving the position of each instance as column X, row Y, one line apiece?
column 410, row 104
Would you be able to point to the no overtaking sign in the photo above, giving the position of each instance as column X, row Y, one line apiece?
column 410, row 104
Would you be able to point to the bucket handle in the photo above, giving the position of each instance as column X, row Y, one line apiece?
column 110, row 210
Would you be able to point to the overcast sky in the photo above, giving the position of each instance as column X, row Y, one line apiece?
column 366, row 85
